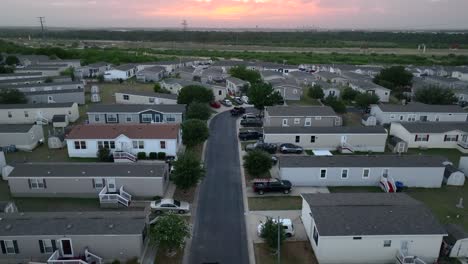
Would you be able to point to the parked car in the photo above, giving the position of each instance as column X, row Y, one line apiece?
column 268, row 147
column 262, row 186
column 169, row 205
column 237, row 110
column 226, row 102
column 245, row 99
column 250, row 116
column 287, row 224
column 251, row 123
column 215, row 104
column 250, row 135
column 238, row 100
column 290, row 148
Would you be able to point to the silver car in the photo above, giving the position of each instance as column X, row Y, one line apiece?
column 169, row 205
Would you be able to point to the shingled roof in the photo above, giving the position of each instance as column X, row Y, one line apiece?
column 133, row 131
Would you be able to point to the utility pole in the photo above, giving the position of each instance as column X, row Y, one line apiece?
column 279, row 239
column 42, row 22
column 184, row 28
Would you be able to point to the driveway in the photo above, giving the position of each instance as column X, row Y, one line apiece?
column 220, row 234
column 255, row 217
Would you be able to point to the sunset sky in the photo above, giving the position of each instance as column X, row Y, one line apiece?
column 423, row 14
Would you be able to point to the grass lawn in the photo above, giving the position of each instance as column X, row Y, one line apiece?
column 347, row 189
column 44, row 154
column 291, row 253
column 162, row 258
column 275, row 203
column 452, row 154
column 305, row 100
column 351, row 119
column 108, row 89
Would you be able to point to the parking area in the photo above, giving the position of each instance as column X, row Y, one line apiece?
column 255, row 217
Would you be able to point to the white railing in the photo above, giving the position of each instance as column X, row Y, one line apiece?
column 347, row 146
column 123, row 155
column 404, row 258
column 55, row 258
column 92, row 258
column 463, row 144
column 113, row 198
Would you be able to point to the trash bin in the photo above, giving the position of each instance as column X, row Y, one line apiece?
column 399, row 186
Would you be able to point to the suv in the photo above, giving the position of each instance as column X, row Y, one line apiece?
column 250, row 135
column 270, row 148
column 290, row 148
column 226, row 102
column 286, row 223
column 262, row 186
column 250, row 116
column 237, row 110
column 251, row 122
column 238, row 100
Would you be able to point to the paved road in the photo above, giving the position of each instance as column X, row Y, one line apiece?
column 219, row 228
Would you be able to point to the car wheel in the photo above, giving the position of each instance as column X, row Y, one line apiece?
column 181, row 212
column 299, row 152
column 286, row 191
column 260, row 192
column 158, row 212
column 288, row 235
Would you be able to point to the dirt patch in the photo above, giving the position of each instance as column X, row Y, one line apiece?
column 291, row 253
column 185, row 195
column 162, row 258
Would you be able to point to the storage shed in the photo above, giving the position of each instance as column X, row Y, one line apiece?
column 397, row 145
column 60, row 121
column 453, row 176
column 457, row 241
column 369, row 120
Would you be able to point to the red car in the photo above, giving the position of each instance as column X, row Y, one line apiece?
column 215, row 104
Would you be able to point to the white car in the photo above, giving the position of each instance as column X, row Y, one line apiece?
column 245, row 99
column 287, row 226
column 169, row 205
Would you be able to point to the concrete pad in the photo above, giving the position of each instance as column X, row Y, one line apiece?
column 254, row 218
column 295, row 191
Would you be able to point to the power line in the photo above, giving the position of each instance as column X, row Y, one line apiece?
column 42, row 22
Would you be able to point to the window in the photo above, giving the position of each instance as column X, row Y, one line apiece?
column 170, row 118
column 96, row 118
column 138, row 144
column 315, row 235
column 9, row 247
column 392, row 116
column 312, row 139
column 387, row 243
column 318, row 118
column 37, row 183
column 26, row 114
column 80, row 144
column 344, row 173
column 295, row 91
column 298, row 139
column 220, row 92
column 357, row 238
column 285, row 122
column 9, row 114
column 111, row 118
column 401, row 118
column 126, row 97
column 297, row 121
column 423, row 118
column 162, row 144
column 146, row 118
column 450, row 138
column 411, row 118
column 98, row 183
column 418, row 138
column 128, row 119
column 385, row 173
column 151, row 100
column 47, row 246
column 365, row 173
column 323, row 173
column 106, row 144
column 437, row 119
column 308, row 122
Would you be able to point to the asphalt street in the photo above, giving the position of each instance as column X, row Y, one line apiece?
column 220, row 234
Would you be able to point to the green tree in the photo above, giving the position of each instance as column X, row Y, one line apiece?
column 315, row 92
column 169, row 232
column 12, row 60
column 262, row 94
column 48, row 80
column 157, row 87
column 349, row 94
column 195, row 93
column 12, row 96
column 395, row 78
column 364, row 100
column 194, row 132
column 337, row 105
column 198, row 110
column 245, row 74
column 187, row 171
column 100, row 78
column 103, row 154
column 69, row 72
column 435, row 95
column 4, row 69
column 257, row 162
column 269, row 233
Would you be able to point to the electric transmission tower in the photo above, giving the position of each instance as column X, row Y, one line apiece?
column 42, row 22
column 184, row 25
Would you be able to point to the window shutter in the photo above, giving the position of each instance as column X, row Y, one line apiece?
column 45, row 184
column 29, row 183
column 2, row 243
column 103, row 182
column 41, row 246
column 415, row 137
column 94, row 183
column 427, row 137
column 445, row 137
column 54, row 245
column 456, row 138
column 15, row 245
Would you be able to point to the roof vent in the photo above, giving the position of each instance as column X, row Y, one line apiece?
column 48, row 172
column 128, row 172
column 69, row 226
column 151, row 171
column 8, row 227
column 83, row 172
column 111, row 226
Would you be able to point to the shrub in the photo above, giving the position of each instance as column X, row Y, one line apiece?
column 337, row 105
column 316, row 92
column 153, row 155
column 349, row 94
column 257, row 162
column 187, row 171
column 141, row 155
column 194, row 132
column 161, row 155
column 103, row 154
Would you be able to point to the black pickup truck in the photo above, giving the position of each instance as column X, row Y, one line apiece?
column 251, row 123
column 237, row 111
column 250, row 135
column 262, row 186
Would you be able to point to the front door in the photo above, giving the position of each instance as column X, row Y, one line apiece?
column 344, row 139
column 464, row 138
column 111, row 187
column 66, row 247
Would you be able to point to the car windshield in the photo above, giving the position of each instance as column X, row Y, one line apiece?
column 177, row 203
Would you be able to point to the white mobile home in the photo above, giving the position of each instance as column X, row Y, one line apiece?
column 359, row 139
column 368, row 228
column 301, row 116
column 32, row 113
column 135, row 97
column 122, row 72
column 23, row 137
column 362, row 170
